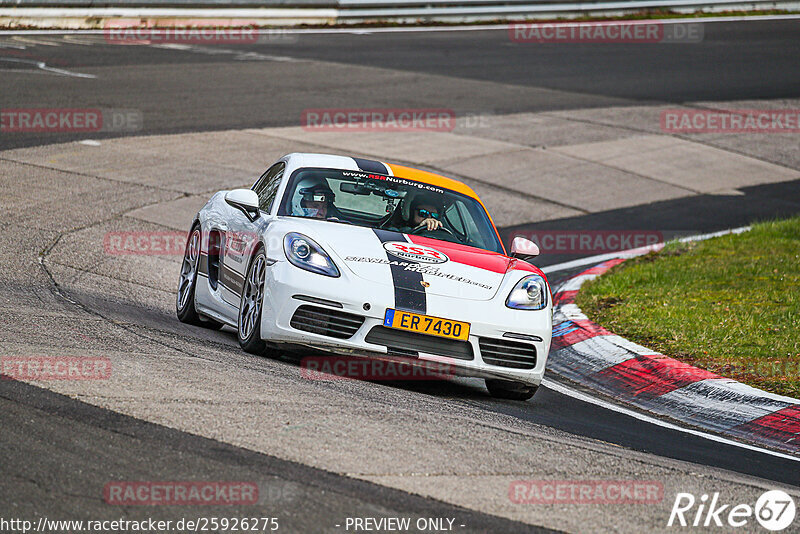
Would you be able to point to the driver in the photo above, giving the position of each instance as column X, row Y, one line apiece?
column 425, row 211
column 425, row 214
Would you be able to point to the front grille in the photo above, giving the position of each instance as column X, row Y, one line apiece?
column 507, row 353
column 332, row 323
column 401, row 341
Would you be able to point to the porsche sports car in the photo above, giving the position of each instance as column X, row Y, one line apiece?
column 359, row 257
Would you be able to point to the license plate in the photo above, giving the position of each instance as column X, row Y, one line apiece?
column 425, row 324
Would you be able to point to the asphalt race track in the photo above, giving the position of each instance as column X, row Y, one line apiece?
column 251, row 86
column 185, row 403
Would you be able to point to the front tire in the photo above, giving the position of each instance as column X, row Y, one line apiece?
column 249, row 323
column 508, row 389
column 187, row 283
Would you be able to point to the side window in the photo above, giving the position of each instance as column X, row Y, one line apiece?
column 462, row 221
column 267, row 186
column 453, row 217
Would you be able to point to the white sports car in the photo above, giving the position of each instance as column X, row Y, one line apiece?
column 359, row 257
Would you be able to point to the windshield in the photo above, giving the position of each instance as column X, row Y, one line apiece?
column 389, row 203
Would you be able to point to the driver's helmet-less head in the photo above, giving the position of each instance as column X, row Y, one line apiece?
column 309, row 193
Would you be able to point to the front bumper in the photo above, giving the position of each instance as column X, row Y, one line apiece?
column 288, row 288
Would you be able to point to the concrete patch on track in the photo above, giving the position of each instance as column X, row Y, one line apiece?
column 552, row 175
column 683, row 164
column 430, row 439
column 546, row 129
column 777, row 148
column 623, row 168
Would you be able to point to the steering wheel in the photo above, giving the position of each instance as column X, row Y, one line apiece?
column 416, row 230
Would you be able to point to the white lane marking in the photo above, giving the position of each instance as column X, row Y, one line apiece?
column 600, row 258
column 89, row 142
column 721, row 233
column 572, row 312
column 564, row 390
column 172, row 46
column 63, row 72
column 72, row 39
column 14, row 46
column 238, row 54
column 35, row 41
column 249, row 56
column 254, row 13
column 630, row 346
column 574, row 284
column 43, row 66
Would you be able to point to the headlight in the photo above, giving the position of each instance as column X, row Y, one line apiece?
column 530, row 293
column 305, row 253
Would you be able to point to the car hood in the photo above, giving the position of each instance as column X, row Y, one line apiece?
column 417, row 263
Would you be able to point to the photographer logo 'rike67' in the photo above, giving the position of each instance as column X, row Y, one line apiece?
column 774, row 510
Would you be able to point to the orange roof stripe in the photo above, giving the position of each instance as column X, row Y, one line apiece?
column 432, row 179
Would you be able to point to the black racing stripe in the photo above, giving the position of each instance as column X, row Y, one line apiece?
column 370, row 165
column 231, row 279
column 202, row 266
column 409, row 294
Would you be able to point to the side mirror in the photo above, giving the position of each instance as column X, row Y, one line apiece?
column 524, row 249
column 245, row 200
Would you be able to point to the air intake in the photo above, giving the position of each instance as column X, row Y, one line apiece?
column 507, row 353
column 326, row 322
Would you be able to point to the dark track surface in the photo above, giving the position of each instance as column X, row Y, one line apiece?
column 79, row 448
column 217, row 87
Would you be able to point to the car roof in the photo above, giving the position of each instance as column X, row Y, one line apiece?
column 381, row 167
column 401, row 171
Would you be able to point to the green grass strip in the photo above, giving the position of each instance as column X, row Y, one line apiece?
column 729, row 304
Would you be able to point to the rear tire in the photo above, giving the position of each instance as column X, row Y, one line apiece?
column 187, row 283
column 508, row 389
column 248, row 329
